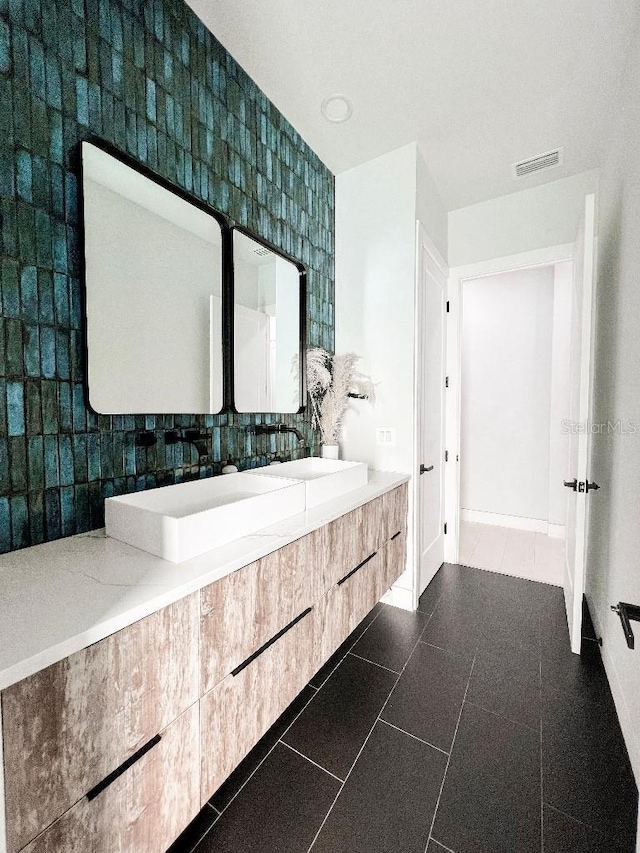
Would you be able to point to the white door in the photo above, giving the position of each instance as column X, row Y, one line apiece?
column 580, row 410
column 429, row 476
column 251, row 353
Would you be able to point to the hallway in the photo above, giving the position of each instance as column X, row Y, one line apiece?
column 520, row 553
column 467, row 726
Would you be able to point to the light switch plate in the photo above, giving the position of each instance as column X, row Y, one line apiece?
column 386, row 436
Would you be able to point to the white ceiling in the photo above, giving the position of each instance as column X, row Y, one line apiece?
column 479, row 83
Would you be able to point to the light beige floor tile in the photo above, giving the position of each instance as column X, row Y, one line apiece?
column 489, row 551
column 469, row 537
column 549, row 559
column 519, row 552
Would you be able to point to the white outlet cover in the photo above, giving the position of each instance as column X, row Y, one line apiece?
column 386, row 436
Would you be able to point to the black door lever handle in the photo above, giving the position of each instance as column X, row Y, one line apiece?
column 424, row 470
column 572, row 484
column 591, row 487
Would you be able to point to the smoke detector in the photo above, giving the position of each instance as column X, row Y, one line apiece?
column 540, row 163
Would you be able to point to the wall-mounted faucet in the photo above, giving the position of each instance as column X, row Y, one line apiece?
column 190, row 436
column 270, row 429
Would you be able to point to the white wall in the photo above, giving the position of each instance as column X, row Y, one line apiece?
column 375, row 213
column 507, row 328
column 376, row 207
column 530, row 219
column 429, row 207
column 560, row 351
column 613, row 557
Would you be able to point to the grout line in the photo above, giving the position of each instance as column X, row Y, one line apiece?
column 415, row 737
column 259, row 765
column 541, row 760
column 366, row 740
column 503, row 716
column 593, row 829
column 458, row 654
column 316, row 690
column 366, row 660
column 446, row 769
column 357, row 640
column 448, row 849
column 315, row 763
column 194, row 849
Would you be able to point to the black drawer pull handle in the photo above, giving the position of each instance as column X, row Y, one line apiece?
column 395, row 535
column 108, row 780
column 270, row 642
column 357, row 568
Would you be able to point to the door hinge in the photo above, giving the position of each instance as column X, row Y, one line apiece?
column 446, row 456
column 446, row 381
column 445, row 527
column 447, row 306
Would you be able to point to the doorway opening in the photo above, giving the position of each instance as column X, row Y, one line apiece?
column 516, row 331
column 521, row 369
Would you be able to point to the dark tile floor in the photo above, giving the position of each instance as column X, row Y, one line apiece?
column 466, row 727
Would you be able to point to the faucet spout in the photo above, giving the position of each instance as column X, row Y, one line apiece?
column 271, row 429
column 191, row 436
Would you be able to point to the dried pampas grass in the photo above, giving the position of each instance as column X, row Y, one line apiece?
column 331, row 381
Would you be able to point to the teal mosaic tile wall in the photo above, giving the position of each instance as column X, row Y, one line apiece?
column 148, row 77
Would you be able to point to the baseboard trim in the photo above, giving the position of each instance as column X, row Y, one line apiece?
column 516, row 522
column 397, row 596
column 556, row 531
column 629, row 732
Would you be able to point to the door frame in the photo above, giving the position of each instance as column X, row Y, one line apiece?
column 425, row 244
column 457, row 277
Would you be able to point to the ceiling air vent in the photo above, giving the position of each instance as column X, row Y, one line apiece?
column 548, row 160
column 261, row 252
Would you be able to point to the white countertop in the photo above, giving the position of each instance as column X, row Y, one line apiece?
column 60, row 597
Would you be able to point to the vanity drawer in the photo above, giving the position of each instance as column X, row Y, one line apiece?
column 394, row 510
column 242, row 707
column 352, row 538
column 348, row 602
column 144, row 809
column 242, row 611
column 395, row 558
column 70, row 725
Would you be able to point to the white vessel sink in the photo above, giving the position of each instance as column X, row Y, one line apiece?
column 182, row 521
column 323, row 479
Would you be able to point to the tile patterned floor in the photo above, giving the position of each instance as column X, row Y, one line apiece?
column 521, row 553
column 466, row 727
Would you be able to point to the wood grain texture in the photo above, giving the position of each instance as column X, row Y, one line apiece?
column 345, row 606
column 145, row 809
column 395, row 560
column 394, row 510
column 240, row 709
column 244, row 610
column 352, row 538
column 70, row 725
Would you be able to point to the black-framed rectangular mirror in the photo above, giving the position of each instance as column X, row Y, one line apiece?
column 269, row 327
column 154, row 291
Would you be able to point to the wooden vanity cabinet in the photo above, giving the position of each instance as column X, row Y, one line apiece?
column 116, row 747
column 338, row 575
column 245, row 704
column 144, row 809
column 244, row 610
column 70, row 725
